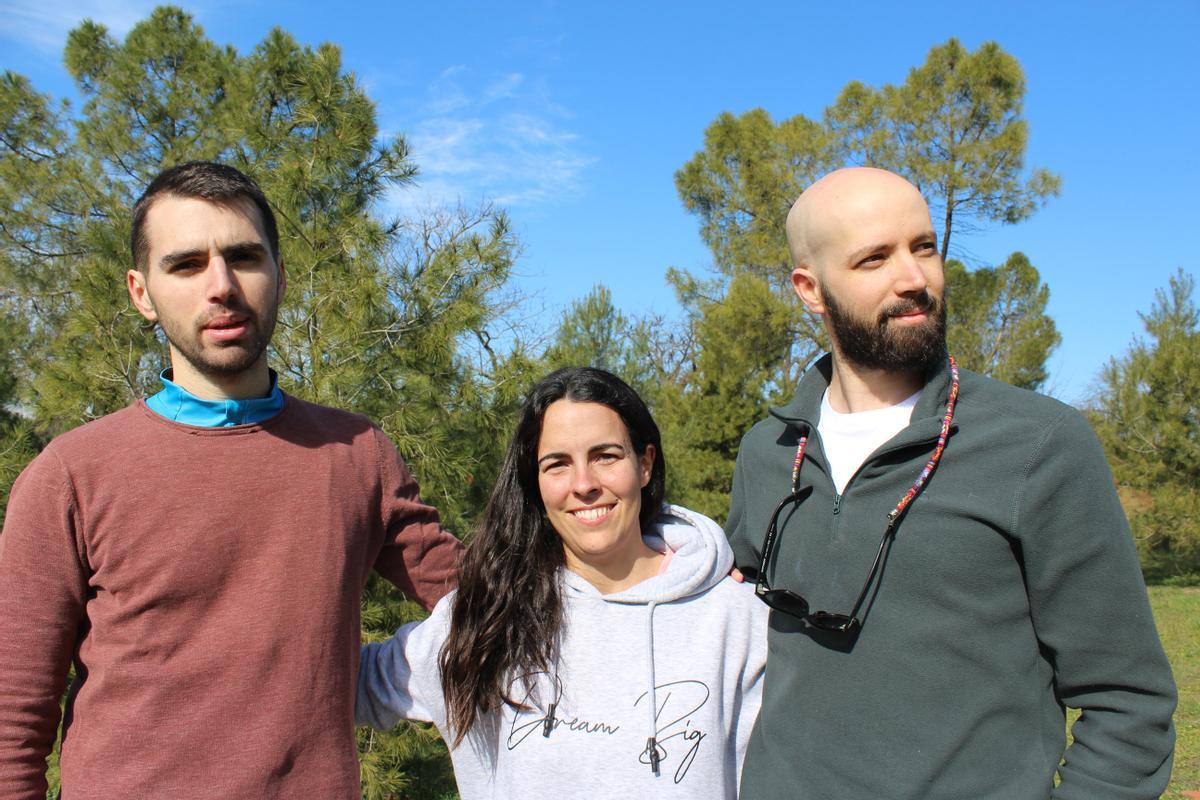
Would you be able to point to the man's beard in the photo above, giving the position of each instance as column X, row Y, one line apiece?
column 894, row 348
column 223, row 361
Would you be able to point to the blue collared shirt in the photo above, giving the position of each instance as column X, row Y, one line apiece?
column 178, row 404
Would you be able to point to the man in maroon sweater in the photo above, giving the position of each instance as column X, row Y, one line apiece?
column 199, row 557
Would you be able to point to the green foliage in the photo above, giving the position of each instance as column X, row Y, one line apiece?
column 18, row 441
column 743, row 182
column 953, row 128
column 18, row 445
column 741, row 185
column 413, row 762
column 593, row 333
column 739, row 343
column 1148, row 417
column 997, row 321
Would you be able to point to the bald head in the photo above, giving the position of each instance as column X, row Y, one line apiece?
column 865, row 259
column 832, row 210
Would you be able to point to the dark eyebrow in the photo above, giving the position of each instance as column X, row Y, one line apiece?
column 233, row 252
column 593, row 449
column 243, row 251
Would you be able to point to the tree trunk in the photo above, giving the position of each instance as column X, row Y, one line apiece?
column 946, row 226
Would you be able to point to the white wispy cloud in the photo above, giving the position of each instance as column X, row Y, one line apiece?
column 44, row 24
column 506, row 86
column 446, row 96
column 497, row 137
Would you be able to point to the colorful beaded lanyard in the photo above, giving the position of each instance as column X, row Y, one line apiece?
column 913, row 490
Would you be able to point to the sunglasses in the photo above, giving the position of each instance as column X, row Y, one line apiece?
column 790, row 603
column 793, row 604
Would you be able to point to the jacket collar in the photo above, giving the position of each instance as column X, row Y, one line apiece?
column 804, row 409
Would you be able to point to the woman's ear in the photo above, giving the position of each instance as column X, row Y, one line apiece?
column 646, row 463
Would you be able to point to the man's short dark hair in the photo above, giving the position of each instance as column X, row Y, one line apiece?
column 203, row 180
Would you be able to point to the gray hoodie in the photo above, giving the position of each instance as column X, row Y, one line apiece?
column 667, row 671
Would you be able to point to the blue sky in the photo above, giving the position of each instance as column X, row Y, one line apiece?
column 575, row 116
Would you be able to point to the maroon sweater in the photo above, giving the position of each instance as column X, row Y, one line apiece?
column 206, row 583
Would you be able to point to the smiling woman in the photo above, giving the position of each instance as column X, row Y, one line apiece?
column 596, row 646
column 591, row 480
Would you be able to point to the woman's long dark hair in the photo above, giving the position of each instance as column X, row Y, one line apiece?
column 509, row 611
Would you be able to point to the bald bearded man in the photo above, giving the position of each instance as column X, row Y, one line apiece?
column 945, row 557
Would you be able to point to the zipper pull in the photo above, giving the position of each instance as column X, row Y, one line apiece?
column 837, row 503
column 548, row 722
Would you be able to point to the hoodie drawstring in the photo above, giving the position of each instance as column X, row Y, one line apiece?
column 550, row 720
column 651, row 742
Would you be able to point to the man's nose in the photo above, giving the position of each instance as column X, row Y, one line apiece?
column 911, row 277
column 221, row 281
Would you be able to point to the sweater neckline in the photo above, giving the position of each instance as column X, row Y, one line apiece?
column 288, row 403
column 176, row 403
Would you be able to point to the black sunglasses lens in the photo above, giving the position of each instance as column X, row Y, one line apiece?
column 786, row 601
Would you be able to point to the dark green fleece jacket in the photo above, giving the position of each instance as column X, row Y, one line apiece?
column 1011, row 589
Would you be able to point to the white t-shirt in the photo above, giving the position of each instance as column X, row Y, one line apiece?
column 849, row 438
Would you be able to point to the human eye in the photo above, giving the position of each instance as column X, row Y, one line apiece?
column 244, row 257
column 185, row 267
column 553, row 465
column 874, row 258
column 609, row 455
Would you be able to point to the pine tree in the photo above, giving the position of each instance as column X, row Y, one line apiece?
column 1147, row 414
column 997, row 322
column 594, row 333
column 740, row 339
column 954, row 128
column 744, row 180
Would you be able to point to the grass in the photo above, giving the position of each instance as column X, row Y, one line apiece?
column 1177, row 612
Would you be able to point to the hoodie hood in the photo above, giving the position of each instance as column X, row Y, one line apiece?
column 701, row 559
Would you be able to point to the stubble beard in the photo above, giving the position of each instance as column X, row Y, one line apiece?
column 880, row 345
column 222, row 360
